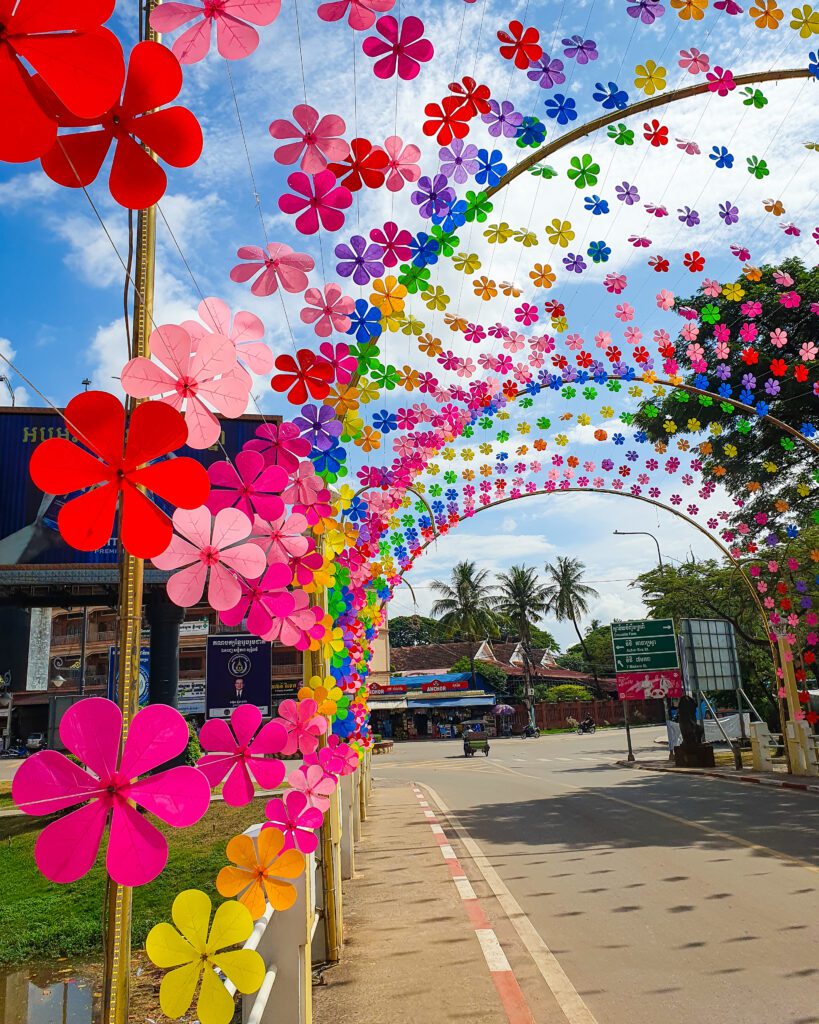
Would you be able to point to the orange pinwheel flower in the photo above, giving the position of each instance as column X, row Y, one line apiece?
column 260, row 866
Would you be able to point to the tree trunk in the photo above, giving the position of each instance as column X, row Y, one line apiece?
column 589, row 659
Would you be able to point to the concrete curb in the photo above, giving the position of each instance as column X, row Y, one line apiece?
column 803, row 787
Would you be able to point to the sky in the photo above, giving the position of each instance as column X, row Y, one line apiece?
column 62, row 280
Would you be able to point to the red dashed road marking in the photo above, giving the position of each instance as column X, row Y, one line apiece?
column 503, row 977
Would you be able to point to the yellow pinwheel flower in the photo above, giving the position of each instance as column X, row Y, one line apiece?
column 733, row 292
column 333, row 641
column 649, row 77
column 413, row 326
column 345, row 496
column 467, row 454
column 485, row 448
column 527, row 238
column 559, row 232
column 511, row 290
column 368, row 391
column 435, row 298
column 325, row 692
column 258, row 869
column 766, row 14
column 670, row 427
column 524, row 427
column 606, row 412
column 560, row 324
column 353, row 424
column 191, row 951
column 498, row 234
column 694, row 424
column 805, row 21
column 466, row 262
column 583, row 419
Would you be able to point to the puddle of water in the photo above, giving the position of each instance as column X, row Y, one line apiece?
column 46, row 995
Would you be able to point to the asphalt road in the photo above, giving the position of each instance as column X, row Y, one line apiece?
column 663, row 898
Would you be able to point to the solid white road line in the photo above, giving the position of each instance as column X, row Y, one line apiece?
column 494, row 955
column 569, row 1000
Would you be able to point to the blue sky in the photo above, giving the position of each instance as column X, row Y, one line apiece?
column 62, row 282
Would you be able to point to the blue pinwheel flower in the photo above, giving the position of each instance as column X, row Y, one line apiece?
column 597, row 205
column 532, row 132
column 560, row 108
column 424, row 249
column 365, row 321
column 599, row 252
column 611, row 98
column 385, row 421
column 721, row 157
column 491, row 167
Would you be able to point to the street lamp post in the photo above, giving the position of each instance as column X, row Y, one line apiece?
column 7, row 382
column 643, row 533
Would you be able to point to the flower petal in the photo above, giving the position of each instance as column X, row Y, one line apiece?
column 167, row 948
column 238, row 789
column 67, row 848
column 179, row 796
column 231, row 925
column 216, row 735
column 177, row 989
column 214, row 1005
column 244, row 967
column 137, row 850
column 91, row 729
column 49, row 782
column 244, row 721
column 191, row 915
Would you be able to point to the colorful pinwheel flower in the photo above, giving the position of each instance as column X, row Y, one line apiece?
column 49, row 782
column 97, row 420
column 319, row 140
column 280, row 444
column 249, row 484
column 306, row 375
column 260, row 866
column 241, row 752
column 328, row 311
column 245, row 332
column 360, row 13
column 304, row 725
column 279, row 265
column 136, row 179
column 402, row 50
column 196, row 951
column 315, row 784
column 293, row 816
column 235, row 36
column 318, row 200
column 402, row 163
column 283, row 538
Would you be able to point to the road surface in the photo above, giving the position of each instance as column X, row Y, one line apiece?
column 654, row 897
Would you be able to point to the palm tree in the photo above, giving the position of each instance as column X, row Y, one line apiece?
column 567, row 597
column 464, row 606
column 523, row 600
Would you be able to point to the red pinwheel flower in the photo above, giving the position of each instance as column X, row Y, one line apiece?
column 447, row 120
column 78, row 62
column 659, row 264
column 403, row 48
column 521, row 45
column 470, row 94
column 655, row 133
column 318, row 198
column 694, row 262
column 120, row 465
column 307, row 374
column 136, row 180
column 364, row 167
column 779, row 367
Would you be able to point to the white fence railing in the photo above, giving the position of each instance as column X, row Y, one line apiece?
column 802, row 744
column 291, row 942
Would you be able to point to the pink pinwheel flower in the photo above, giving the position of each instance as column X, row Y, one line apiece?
column 240, row 750
column 615, row 283
column 320, row 198
column 303, row 723
column 339, row 748
column 279, row 265
column 693, row 61
column 293, row 816
column 402, row 49
column 249, row 484
column 235, row 38
column 259, row 602
column 282, row 538
column 808, row 351
column 315, row 784
column 624, row 312
column 295, row 622
column 328, row 311
column 305, row 486
column 344, row 363
column 362, row 12
column 206, row 547
column 49, row 782
column 190, row 380
column 245, row 332
column 319, row 139
column 403, row 166
column 665, row 299
column 282, row 445
column 783, row 278
column 721, row 81
column 330, row 760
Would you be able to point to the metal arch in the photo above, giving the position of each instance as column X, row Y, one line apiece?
column 636, row 108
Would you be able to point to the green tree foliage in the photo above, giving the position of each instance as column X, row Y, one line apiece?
column 464, row 606
column 493, row 676
column 737, row 443
column 567, row 596
column 522, row 599
column 598, row 643
column 565, row 691
column 415, row 631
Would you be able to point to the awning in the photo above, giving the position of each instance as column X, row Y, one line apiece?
column 452, row 702
column 388, row 705
column 415, row 680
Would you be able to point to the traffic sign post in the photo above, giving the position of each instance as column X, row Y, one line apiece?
column 646, row 659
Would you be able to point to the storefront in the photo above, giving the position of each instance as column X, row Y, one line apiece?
column 429, row 707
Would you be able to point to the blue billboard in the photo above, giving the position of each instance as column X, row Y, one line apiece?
column 28, row 518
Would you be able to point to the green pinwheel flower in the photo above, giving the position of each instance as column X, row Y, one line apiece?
column 754, row 98
column 622, row 135
column 710, row 314
column 758, row 168
column 478, row 207
column 583, row 171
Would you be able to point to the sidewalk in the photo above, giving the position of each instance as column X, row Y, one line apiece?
column 411, row 955
column 777, row 780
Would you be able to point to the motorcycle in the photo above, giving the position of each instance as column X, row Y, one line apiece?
column 530, row 732
column 586, row 727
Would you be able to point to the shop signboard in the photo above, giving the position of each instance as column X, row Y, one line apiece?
column 437, row 686
column 113, row 674
column 376, row 688
column 237, row 671
column 190, row 697
column 646, row 659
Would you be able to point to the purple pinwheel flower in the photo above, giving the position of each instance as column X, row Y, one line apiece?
column 723, row 371
column 772, row 387
column 575, row 264
column 359, row 259
column 728, row 212
column 458, row 161
column 502, row 119
column 547, row 72
column 319, row 425
column 646, row 10
column 688, row 216
column 627, row 194
column 433, row 196
column 749, row 381
column 580, row 49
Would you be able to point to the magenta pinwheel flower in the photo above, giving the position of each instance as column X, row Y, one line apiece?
column 335, row 760
column 296, row 622
column 241, row 752
column 297, row 821
column 190, row 375
column 305, row 486
column 235, row 38
column 261, row 602
column 315, row 784
column 213, row 550
column 245, row 332
column 281, row 445
column 248, row 484
column 49, row 782
column 282, row 538
column 318, row 201
column 303, row 723
column 318, row 139
column 328, row 311
column 361, row 12
column 402, row 48
column 343, row 361
column 279, row 265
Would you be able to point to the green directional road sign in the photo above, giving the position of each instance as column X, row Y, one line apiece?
column 644, row 645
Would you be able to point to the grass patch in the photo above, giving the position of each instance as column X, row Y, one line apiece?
column 42, row 920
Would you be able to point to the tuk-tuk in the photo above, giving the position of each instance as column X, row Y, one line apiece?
column 474, row 742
